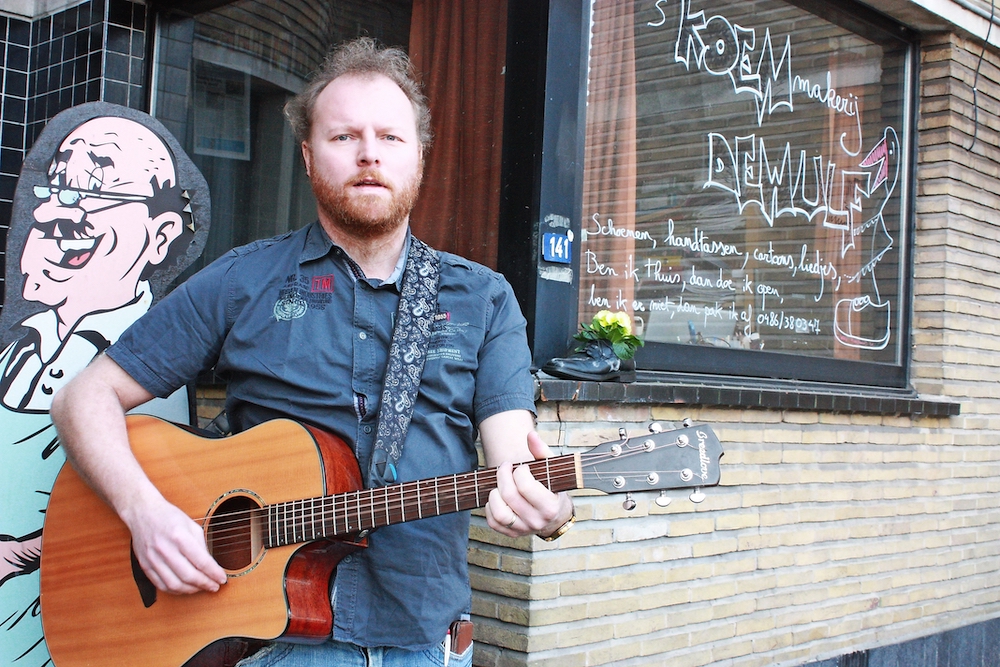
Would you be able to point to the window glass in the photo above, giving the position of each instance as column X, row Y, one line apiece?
column 221, row 80
column 746, row 181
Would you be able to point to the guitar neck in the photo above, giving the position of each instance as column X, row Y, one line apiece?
column 298, row 521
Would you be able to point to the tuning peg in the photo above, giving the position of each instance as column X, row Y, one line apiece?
column 656, row 427
column 663, row 499
column 622, row 434
column 697, row 496
column 629, row 503
column 686, row 422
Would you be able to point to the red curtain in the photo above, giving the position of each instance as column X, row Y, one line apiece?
column 459, row 48
column 609, row 187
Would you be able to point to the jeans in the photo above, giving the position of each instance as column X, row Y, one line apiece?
column 339, row 654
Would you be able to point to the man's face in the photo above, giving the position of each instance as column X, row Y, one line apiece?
column 92, row 235
column 363, row 155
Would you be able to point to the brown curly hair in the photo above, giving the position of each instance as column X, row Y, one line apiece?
column 362, row 56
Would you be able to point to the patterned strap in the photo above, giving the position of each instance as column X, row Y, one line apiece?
column 407, row 353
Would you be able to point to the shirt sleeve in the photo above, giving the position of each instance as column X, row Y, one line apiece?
column 181, row 336
column 503, row 379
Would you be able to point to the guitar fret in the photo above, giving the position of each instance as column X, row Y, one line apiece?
column 299, row 531
column 420, row 509
column 312, row 519
column 402, row 503
column 318, row 529
column 454, row 484
column 298, row 524
column 278, row 525
column 322, row 515
column 347, row 514
column 475, row 484
column 387, row 520
column 437, row 497
column 296, row 520
column 358, row 499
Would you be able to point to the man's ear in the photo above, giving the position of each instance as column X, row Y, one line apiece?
column 307, row 157
column 166, row 228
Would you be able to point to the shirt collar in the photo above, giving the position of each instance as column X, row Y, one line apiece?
column 318, row 244
column 108, row 323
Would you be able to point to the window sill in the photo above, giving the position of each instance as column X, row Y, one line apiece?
column 675, row 389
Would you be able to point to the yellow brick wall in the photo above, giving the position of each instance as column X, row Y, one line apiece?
column 830, row 533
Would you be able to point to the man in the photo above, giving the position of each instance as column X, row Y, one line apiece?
column 110, row 213
column 302, row 325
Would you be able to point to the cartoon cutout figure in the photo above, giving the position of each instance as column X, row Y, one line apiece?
column 104, row 218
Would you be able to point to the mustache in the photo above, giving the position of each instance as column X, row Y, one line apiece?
column 64, row 228
column 370, row 176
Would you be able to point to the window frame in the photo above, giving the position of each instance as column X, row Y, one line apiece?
column 542, row 182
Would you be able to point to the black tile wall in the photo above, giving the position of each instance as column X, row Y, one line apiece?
column 15, row 46
column 93, row 51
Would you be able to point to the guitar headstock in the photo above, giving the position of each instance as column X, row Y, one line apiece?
column 679, row 459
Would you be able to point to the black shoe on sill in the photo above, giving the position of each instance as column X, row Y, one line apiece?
column 597, row 362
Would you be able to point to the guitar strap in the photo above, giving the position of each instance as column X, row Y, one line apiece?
column 407, row 353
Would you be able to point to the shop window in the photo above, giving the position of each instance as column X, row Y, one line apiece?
column 745, row 190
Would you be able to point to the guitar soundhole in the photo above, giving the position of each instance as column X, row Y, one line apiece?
column 233, row 534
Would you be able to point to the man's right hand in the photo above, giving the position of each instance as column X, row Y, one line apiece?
column 171, row 549
column 89, row 413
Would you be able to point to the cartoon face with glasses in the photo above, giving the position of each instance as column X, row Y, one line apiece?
column 110, row 212
column 103, row 214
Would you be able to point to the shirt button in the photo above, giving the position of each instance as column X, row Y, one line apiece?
column 363, row 335
column 368, row 429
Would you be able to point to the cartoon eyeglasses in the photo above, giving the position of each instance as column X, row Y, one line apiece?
column 70, row 196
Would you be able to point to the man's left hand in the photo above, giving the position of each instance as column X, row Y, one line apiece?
column 521, row 505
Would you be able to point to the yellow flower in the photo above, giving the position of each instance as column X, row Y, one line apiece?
column 614, row 328
column 624, row 320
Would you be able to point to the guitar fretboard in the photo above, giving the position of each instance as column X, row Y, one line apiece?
column 310, row 519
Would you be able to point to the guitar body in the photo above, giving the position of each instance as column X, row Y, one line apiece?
column 99, row 609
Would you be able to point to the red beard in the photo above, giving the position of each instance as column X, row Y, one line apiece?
column 366, row 215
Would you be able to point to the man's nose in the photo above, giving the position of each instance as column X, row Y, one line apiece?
column 368, row 150
column 51, row 209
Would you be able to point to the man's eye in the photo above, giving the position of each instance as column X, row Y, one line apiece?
column 391, row 137
column 342, row 137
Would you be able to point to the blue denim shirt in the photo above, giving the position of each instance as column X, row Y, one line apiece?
column 300, row 332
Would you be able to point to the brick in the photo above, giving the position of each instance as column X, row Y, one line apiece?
column 691, row 527
column 715, row 547
column 737, row 521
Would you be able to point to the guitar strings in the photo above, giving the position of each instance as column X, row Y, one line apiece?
column 375, row 507
column 464, row 482
column 230, row 533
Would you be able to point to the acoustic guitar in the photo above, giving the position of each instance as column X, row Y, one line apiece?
column 281, row 504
